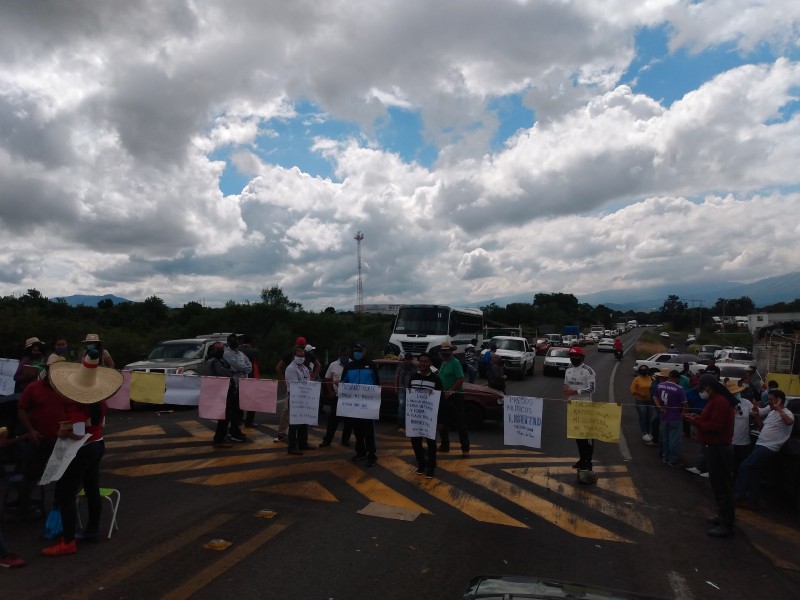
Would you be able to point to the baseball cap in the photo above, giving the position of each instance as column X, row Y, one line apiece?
column 576, row 351
column 301, row 341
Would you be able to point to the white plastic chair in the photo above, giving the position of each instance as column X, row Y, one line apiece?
column 113, row 496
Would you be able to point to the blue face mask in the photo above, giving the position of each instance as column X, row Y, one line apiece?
column 343, row 360
column 91, row 347
column 358, row 355
column 60, row 351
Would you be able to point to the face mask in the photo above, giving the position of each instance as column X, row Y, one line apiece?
column 90, row 347
column 576, row 362
column 299, row 360
column 60, row 351
column 704, row 395
column 358, row 355
column 343, row 360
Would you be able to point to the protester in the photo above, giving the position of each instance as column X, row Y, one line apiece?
column 742, row 446
column 452, row 376
column 671, row 403
column 776, row 427
column 363, row 371
column 771, row 385
column 579, row 382
column 332, row 377
column 246, row 346
column 715, row 432
column 31, row 365
column 60, row 348
column 87, row 385
column 216, row 366
column 643, row 401
column 240, row 367
column 402, row 376
column 712, row 368
column 311, row 363
column 495, row 376
column 425, row 379
column 471, row 361
column 93, row 342
column 295, row 373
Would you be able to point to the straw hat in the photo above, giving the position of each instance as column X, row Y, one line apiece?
column 31, row 341
column 86, row 382
column 733, row 387
column 92, row 338
column 664, row 373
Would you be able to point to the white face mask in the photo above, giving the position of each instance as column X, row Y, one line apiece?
column 703, row 395
column 299, row 360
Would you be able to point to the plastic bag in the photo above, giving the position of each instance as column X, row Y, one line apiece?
column 53, row 526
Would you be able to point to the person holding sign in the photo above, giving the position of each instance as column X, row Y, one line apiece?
column 425, row 379
column 362, row 371
column 452, row 376
column 579, row 383
column 297, row 371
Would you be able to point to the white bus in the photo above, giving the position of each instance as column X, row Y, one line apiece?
column 423, row 328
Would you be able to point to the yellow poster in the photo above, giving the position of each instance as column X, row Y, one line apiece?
column 148, row 387
column 594, row 421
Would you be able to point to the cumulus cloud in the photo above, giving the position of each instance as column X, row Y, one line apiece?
column 115, row 121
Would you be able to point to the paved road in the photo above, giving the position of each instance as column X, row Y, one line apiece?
column 342, row 531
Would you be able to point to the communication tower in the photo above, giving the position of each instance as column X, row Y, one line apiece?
column 360, row 289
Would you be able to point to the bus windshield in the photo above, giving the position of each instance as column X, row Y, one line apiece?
column 422, row 320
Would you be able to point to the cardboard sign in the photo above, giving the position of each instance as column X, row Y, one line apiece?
column 359, row 401
column 8, row 367
column 422, row 407
column 593, row 420
column 522, row 421
column 304, row 402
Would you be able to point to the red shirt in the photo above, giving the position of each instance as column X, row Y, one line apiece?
column 45, row 408
column 81, row 413
column 715, row 423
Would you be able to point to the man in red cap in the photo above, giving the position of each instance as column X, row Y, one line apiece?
column 311, row 363
column 579, row 383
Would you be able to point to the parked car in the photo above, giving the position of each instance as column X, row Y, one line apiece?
column 555, row 338
column 480, row 402
column 556, row 361
column 176, row 357
column 667, row 360
column 605, row 344
column 542, row 345
column 518, row 356
column 729, row 356
column 690, row 339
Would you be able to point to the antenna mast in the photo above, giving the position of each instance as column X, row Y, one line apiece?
column 360, row 289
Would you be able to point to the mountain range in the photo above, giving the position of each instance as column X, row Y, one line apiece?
column 83, row 300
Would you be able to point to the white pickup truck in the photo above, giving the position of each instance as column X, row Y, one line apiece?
column 517, row 354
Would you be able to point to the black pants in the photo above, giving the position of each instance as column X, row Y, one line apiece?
column 233, row 416
column 425, row 460
column 585, row 451
column 333, row 424
column 455, row 412
column 298, row 437
column 34, row 460
column 364, row 429
column 83, row 471
column 719, row 459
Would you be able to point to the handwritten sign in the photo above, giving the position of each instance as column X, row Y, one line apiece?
column 522, row 421
column 422, row 407
column 8, row 366
column 63, row 454
column 304, row 402
column 359, row 401
column 593, row 420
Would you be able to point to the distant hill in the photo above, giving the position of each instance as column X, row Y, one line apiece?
column 79, row 299
column 782, row 288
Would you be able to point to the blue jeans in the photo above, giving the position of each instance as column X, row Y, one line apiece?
column 645, row 410
column 748, row 481
column 669, row 440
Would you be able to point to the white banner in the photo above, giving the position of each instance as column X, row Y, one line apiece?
column 522, row 421
column 8, row 366
column 304, row 402
column 63, row 454
column 422, row 407
column 183, row 390
column 359, row 401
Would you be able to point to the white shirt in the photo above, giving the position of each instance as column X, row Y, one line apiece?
column 741, row 423
column 295, row 372
column 775, row 432
column 581, row 379
column 334, row 373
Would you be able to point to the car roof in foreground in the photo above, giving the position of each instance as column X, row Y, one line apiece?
column 505, row 587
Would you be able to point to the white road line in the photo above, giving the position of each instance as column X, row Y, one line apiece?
column 680, row 589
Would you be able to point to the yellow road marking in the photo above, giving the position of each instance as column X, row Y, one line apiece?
column 311, row 490
column 227, row 460
column 458, row 499
column 623, row 486
column 139, row 431
column 777, row 559
column 147, row 559
column 776, row 529
column 557, row 515
column 229, row 559
column 355, row 477
column 616, row 510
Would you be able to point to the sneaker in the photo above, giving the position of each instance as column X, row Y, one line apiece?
column 237, row 437
column 279, row 438
column 694, row 471
column 61, row 548
column 429, row 474
column 420, row 470
column 647, row 438
column 12, row 561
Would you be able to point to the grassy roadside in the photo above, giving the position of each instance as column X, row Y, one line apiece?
column 649, row 343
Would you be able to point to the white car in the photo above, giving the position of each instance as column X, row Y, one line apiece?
column 605, row 345
column 556, row 361
column 731, row 356
column 664, row 334
column 691, row 339
column 669, row 361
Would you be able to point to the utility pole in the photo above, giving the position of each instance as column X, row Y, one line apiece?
column 360, row 287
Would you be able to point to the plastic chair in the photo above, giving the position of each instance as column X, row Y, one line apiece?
column 113, row 496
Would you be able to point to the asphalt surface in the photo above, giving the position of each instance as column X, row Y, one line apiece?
column 342, row 531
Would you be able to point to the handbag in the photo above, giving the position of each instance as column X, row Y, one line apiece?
column 53, row 526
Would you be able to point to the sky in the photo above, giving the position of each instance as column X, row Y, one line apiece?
column 204, row 151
